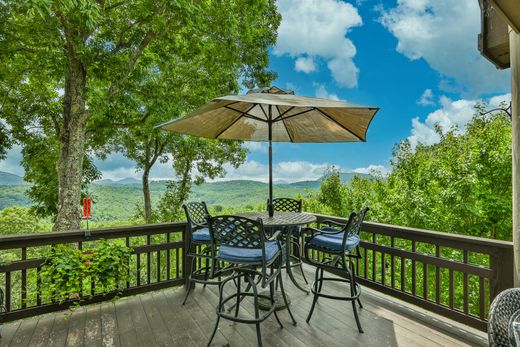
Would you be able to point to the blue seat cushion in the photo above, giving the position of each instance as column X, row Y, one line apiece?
column 335, row 242
column 201, row 235
column 249, row 255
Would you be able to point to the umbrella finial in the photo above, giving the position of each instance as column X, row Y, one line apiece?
column 271, row 90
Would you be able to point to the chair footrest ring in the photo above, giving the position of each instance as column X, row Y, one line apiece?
column 336, row 297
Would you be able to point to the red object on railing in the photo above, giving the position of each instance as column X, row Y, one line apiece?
column 87, row 204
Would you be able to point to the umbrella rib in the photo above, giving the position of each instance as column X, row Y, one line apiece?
column 293, row 115
column 284, row 124
column 246, row 114
column 263, row 111
column 236, row 120
column 338, row 123
column 280, row 114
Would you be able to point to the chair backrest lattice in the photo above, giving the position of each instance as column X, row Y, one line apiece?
column 235, row 231
column 196, row 213
column 287, row 205
column 355, row 222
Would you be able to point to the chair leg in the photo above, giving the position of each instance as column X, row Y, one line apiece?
column 257, row 314
column 239, row 298
column 271, row 293
column 353, row 293
column 219, row 308
column 206, row 269
column 193, row 259
column 354, row 281
column 315, row 299
column 285, row 299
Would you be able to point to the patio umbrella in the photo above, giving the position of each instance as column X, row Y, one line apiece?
column 276, row 115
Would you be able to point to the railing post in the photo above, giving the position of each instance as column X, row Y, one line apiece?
column 503, row 265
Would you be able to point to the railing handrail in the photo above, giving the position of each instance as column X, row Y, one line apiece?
column 46, row 238
column 414, row 232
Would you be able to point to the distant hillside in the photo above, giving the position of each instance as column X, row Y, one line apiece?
column 9, row 179
column 116, row 200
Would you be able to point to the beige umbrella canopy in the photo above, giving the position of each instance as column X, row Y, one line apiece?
column 276, row 115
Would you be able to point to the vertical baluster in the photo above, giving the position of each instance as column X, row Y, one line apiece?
column 127, row 242
column 365, row 257
column 158, row 266
column 392, row 264
column 148, row 260
column 414, row 269
column 80, row 247
column 138, row 269
column 403, row 269
column 177, row 274
column 374, row 254
column 437, row 276
column 482, row 298
column 465, row 284
column 168, row 251
column 8, row 291
column 24, row 280
column 451, row 289
column 38, row 286
column 358, row 252
column 383, row 268
column 425, row 281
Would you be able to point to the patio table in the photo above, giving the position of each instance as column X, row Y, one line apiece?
column 281, row 220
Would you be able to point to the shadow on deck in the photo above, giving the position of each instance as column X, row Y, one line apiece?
column 159, row 319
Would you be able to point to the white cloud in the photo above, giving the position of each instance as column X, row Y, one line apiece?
column 452, row 114
column 256, row 147
column 444, row 33
column 321, row 92
column 426, row 98
column 289, row 171
column 305, row 64
column 371, row 169
column 318, row 28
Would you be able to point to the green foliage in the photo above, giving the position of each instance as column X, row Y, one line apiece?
column 74, row 73
column 62, row 273
column 17, row 220
column 108, row 264
column 461, row 184
column 67, row 269
column 206, row 157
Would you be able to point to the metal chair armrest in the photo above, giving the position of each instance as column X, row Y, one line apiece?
column 329, row 222
column 275, row 236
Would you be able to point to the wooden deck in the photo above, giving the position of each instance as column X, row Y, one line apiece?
column 159, row 319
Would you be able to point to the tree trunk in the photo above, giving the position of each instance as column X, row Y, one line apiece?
column 146, row 193
column 72, row 147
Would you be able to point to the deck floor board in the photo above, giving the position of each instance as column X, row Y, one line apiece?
column 159, row 319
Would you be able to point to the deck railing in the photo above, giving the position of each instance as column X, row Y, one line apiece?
column 157, row 262
column 453, row 275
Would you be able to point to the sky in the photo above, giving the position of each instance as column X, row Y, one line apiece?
column 415, row 59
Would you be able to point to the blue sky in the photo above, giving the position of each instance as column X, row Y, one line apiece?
column 415, row 59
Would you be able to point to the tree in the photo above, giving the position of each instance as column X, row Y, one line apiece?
column 19, row 220
column 89, row 56
column 461, row 184
column 146, row 144
column 194, row 160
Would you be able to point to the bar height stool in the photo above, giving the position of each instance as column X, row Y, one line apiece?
column 337, row 246
column 241, row 241
column 196, row 213
column 292, row 239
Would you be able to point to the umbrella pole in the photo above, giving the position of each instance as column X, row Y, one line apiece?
column 270, row 208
